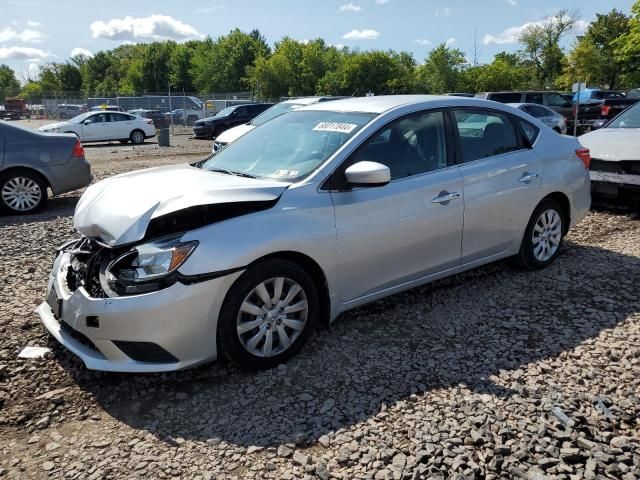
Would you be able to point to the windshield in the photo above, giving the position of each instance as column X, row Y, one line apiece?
column 274, row 112
column 225, row 111
column 80, row 118
column 290, row 146
column 630, row 118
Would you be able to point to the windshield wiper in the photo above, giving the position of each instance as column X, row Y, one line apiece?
column 231, row 172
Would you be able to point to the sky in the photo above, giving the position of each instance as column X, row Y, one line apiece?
column 33, row 32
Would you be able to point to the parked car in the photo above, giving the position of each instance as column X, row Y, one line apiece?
column 106, row 126
column 276, row 110
column 184, row 116
column 158, row 118
column 615, row 167
column 547, row 116
column 31, row 162
column 553, row 100
column 596, row 107
column 106, row 108
column 227, row 118
column 14, row 109
column 69, row 111
column 315, row 212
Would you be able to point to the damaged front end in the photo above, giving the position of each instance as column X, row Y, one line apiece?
column 112, row 272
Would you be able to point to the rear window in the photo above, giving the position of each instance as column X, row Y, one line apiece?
column 508, row 97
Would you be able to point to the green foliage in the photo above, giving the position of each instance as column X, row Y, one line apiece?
column 607, row 54
column 9, row 84
column 442, row 70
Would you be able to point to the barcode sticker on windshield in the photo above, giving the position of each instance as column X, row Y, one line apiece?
column 335, row 127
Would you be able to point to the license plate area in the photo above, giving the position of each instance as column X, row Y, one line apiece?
column 55, row 303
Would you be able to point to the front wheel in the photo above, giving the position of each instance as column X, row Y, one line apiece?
column 543, row 236
column 22, row 192
column 137, row 137
column 268, row 315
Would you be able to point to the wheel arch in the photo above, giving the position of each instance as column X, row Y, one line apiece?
column 564, row 202
column 316, row 273
column 26, row 168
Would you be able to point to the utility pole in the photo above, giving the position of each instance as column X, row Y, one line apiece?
column 476, row 49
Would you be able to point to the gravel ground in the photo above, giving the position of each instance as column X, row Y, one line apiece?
column 492, row 373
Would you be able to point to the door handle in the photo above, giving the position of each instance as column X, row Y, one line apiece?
column 527, row 177
column 445, row 197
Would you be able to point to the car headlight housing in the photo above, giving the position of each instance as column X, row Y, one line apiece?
column 147, row 267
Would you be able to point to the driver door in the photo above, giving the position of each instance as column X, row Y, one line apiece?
column 397, row 233
column 96, row 127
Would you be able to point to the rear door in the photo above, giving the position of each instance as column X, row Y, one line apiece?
column 121, row 125
column 501, row 177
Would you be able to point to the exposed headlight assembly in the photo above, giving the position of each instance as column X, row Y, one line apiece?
column 147, row 267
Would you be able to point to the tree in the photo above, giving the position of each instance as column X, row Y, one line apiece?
column 506, row 72
column 541, row 42
column 9, row 84
column 221, row 65
column 627, row 46
column 442, row 70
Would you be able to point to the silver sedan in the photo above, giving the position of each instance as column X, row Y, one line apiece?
column 318, row 211
column 547, row 116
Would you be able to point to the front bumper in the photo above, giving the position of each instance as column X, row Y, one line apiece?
column 180, row 319
column 203, row 131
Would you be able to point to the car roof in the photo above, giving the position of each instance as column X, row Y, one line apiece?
column 310, row 100
column 383, row 103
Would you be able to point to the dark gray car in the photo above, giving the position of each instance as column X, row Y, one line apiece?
column 31, row 162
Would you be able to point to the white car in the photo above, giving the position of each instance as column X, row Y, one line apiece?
column 281, row 108
column 106, row 126
column 615, row 168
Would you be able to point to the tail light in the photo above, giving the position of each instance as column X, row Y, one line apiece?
column 606, row 109
column 78, row 150
column 584, row 155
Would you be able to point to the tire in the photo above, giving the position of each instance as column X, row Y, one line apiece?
column 533, row 255
column 137, row 137
column 22, row 192
column 260, row 325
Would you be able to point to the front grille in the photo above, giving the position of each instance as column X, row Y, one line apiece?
column 629, row 167
column 76, row 335
column 147, row 352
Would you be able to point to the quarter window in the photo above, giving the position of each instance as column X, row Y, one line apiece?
column 408, row 146
column 484, row 134
column 534, row 98
column 530, row 131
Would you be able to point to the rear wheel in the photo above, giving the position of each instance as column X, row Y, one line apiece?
column 137, row 137
column 22, row 192
column 543, row 236
column 268, row 315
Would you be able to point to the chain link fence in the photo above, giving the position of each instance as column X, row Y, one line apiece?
column 180, row 111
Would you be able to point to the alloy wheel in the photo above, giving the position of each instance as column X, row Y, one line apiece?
column 272, row 316
column 21, row 194
column 547, row 235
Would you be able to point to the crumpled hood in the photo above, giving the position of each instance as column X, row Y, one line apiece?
column 613, row 144
column 117, row 211
column 52, row 126
column 232, row 134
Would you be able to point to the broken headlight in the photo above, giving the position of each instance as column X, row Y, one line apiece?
column 148, row 267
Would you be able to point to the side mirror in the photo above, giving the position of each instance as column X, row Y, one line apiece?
column 368, row 174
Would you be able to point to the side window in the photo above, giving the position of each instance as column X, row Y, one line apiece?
column 510, row 97
column 241, row 111
column 537, row 111
column 99, row 118
column 485, row 134
column 530, row 131
column 408, row 146
column 119, row 117
column 534, row 98
column 557, row 100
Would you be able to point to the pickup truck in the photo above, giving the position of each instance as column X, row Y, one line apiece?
column 597, row 107
column 15, row 108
